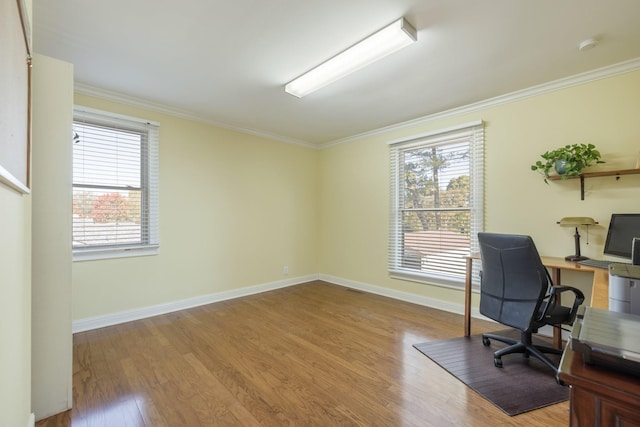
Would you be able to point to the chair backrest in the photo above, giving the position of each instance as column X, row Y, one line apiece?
column 513, row 279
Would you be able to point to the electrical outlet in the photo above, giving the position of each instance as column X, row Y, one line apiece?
column 285, row 270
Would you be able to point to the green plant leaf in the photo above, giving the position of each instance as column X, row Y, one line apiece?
column 577, row 157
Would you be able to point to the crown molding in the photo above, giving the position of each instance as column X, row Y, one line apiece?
column 567, row 82
column 121, row 98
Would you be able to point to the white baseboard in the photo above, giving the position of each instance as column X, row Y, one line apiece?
column 420, row 300
column 391, row 293
column 457, row 308
column 155, row 310
column 31, row 422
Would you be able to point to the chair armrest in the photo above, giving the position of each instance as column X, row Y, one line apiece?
column 556, row 291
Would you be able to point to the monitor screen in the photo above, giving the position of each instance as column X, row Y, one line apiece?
column 622, row 229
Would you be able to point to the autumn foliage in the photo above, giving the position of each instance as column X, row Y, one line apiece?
column 111, row 207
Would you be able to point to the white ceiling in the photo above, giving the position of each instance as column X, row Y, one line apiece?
column 227, row 61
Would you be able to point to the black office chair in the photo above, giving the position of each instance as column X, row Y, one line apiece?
column 516, row 290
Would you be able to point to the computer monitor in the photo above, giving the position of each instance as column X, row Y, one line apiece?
column 622, row 229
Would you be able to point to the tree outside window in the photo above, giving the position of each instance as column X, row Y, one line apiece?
column 434, row 213
column 115, row 192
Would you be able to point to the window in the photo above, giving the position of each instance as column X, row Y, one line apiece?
column 115, row 186
column 436, row 204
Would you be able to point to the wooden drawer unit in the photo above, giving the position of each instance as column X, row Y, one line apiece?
column 599, row 397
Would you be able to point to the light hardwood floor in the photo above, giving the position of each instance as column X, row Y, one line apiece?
column 315, row 354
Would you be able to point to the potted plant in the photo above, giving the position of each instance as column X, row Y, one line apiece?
column 568, row 160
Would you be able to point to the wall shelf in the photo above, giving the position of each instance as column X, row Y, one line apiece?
column 582, row 176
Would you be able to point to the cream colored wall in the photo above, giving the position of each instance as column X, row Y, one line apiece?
column 269, row 204
column 52, row 82
column 15, row 307
column 354, row 183
column 234, row 210
column 15, row 304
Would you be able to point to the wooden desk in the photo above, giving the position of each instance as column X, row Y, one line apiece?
column 599, row 291
column 599, row 397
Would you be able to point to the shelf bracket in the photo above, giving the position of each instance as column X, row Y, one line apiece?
column 582, row 176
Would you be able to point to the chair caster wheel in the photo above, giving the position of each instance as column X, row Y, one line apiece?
column 497, row 362
column 486, row 342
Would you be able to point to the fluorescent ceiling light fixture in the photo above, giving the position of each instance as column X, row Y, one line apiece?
column 391, row 38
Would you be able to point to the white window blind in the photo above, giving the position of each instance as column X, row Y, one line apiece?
column 436, row 204
column 115, row 185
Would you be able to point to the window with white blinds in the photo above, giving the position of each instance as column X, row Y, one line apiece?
column 436, row 203
column 115, row 185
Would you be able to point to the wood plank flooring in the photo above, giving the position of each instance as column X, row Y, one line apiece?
column 315, row 354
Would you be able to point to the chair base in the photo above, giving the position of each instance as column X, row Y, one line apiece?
column 524, row 346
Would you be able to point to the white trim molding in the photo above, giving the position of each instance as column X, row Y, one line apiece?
column 96, row 322
column 586, row 77
column 120, row 98
column 12, row 182
column 399, row 295
column 421, row 300
column 567, row 82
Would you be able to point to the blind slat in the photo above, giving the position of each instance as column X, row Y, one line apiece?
column 436, row 203
column 115, row 181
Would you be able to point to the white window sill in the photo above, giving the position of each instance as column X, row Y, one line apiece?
column 110, row 253
column 434, row 279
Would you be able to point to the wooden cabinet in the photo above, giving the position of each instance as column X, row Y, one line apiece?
column 599, row 397
column 614, row 414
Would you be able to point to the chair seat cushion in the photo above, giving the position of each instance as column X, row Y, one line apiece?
column 556, row 315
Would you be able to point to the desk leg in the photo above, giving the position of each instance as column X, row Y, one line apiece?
column 467, row 297
column 557, row 330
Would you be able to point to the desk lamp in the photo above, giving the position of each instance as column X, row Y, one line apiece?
column 576, row 221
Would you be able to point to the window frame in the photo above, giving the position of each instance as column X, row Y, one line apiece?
column 149, row 185
column 474, row 131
